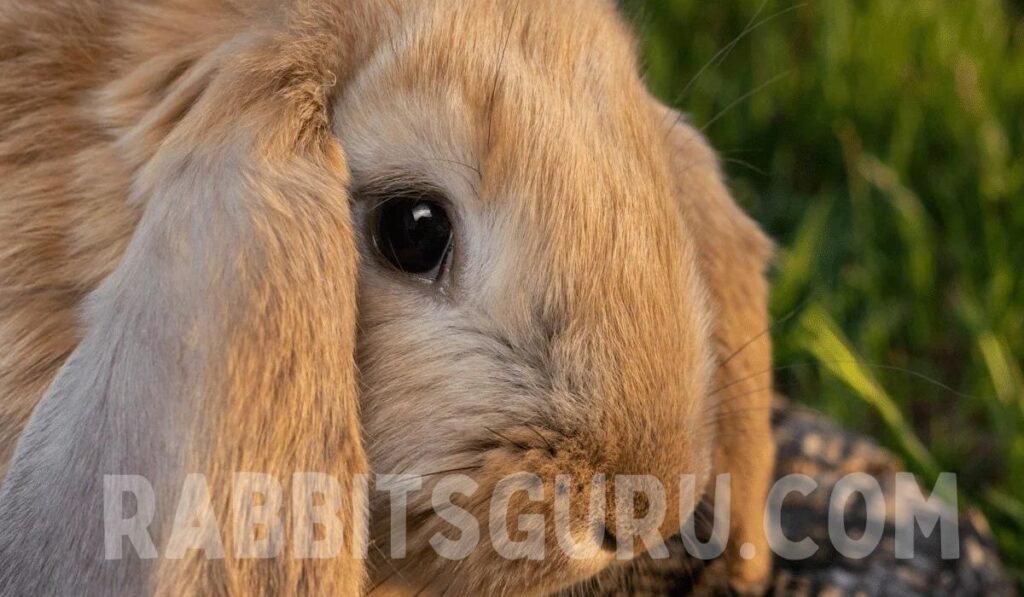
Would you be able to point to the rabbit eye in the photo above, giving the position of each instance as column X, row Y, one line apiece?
column 414, row 235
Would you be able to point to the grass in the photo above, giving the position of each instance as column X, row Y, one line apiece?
column 886, row 155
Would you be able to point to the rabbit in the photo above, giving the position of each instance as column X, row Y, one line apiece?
column 359, row 236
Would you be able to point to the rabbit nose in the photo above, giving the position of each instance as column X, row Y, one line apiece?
column 643, row 510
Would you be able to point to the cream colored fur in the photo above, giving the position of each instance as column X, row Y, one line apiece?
column 180, row 277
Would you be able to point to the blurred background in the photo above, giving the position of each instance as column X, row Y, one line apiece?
column 880, row 143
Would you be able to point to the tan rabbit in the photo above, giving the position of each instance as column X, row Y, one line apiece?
column 197, row 198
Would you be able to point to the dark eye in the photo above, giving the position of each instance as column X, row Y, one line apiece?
column 414, row 234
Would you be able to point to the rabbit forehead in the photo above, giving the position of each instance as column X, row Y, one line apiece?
column 536, row 96
column 535, row 106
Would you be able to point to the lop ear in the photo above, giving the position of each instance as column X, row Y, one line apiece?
column 222, row 344
column 733, row 254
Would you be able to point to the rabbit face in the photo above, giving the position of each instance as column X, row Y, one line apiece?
column 529, row 295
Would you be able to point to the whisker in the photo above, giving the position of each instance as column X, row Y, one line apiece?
column 497, row 74
column 722, row 54
column 717, row 407
column 471, row 507
column 747, row 165
column 724, row 416
column 387, row 560
column 470, row 182
column 551, row 448
column 910, row 372
column 727, row 49
column 743, row 98
column 452, row 470
column 767, row 330
column 521, row 446
column 387, row 578
column 457, row 163
column 736, row 382
column 791, row 366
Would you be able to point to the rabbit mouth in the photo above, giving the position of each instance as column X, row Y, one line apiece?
column 534, row 513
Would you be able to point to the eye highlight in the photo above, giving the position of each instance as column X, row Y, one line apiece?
column 414, row 234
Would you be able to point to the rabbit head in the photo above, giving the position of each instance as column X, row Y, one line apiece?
column 454, row 239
